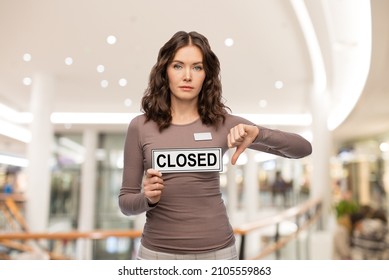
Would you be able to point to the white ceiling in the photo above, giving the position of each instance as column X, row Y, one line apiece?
column 269, row 45
column 370, row 116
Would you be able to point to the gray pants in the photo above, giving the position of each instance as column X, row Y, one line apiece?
column 223, row 254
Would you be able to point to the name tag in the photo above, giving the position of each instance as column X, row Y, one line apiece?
column 202, row 136
column 187, row 160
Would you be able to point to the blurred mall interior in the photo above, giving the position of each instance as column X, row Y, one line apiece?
column 72, row 74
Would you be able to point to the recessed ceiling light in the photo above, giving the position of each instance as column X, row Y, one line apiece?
column 111, row 40
column 100, row 68
column 279, row 84
column 27, row 81
column 123, row 82
column 262, row 103
column 69, row 61
column 104, row 83
column 384, row 147
column 229, row 42
column 27, row 57
column 127, row 102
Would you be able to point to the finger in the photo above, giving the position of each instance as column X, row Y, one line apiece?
column 237, row 134
column 152, row 172
column 149, row 186
column 154, row 193
column 232, row 137
column 240, row 131
column 153, row 197
column 156, row 180
column 155, row 186
column 229, row 140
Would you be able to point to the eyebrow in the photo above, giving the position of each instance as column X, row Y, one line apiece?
column 179, row 61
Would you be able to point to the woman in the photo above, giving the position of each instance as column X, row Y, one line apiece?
column 173, row 153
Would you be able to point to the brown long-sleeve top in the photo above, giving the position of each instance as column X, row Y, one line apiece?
column 191, row 216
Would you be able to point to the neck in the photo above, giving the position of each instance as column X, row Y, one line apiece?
column 184, row 114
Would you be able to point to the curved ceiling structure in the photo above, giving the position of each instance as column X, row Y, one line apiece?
column 274, row 56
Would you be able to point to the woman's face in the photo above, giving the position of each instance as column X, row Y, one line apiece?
column 186, row 74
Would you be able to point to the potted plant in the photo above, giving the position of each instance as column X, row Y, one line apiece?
column 346, row 206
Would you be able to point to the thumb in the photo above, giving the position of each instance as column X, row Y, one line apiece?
column 239, row 150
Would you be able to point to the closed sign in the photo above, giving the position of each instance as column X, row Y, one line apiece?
column 187, row 160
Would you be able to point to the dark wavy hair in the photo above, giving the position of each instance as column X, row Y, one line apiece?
column 156, row 100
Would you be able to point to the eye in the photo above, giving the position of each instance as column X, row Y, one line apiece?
column 198, row 68
column 177, row 66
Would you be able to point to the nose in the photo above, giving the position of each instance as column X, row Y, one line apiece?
column 187, row 75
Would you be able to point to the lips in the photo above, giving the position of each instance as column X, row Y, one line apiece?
column 186, row 88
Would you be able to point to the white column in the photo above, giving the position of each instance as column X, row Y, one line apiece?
column 297, row 181
column 385, row 156
column 321, row 154
column 364, row 183
column 86, row 218
column 251, row 200
column 287, row 175
column 232, row 190
column 39, row 153
column 251, row 190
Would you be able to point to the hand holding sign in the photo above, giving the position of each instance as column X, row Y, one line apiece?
column 241, row 136
column 153, row 185
column 187, row 160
